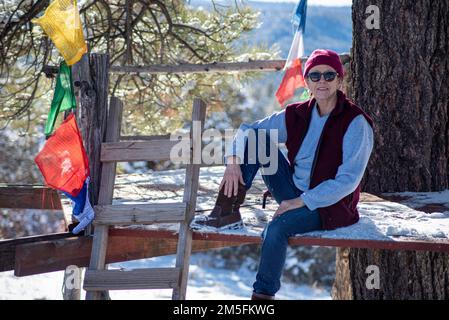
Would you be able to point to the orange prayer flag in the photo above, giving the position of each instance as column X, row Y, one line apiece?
column 63, row 161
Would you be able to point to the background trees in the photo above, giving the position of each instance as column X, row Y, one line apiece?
column 132, row 32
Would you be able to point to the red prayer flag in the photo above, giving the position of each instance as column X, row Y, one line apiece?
column 293, row 79
column 63, row 161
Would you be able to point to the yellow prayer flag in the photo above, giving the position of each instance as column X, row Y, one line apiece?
column 61, row 22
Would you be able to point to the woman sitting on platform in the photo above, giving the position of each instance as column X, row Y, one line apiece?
column 329, row 141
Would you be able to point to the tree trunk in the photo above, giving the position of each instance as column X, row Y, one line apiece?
column 403, row 275
column 399, row 77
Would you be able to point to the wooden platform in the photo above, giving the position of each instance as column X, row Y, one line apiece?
column 411, row 221
column 422, row 218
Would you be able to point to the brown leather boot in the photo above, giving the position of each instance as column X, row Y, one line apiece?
column 241, row 194
column 226, row 211
column 260, row 296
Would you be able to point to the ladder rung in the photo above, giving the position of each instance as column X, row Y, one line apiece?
column 153, row 278
column 137, row 150
column 128, row 214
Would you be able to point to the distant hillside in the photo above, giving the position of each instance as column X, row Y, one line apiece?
column 329, row 27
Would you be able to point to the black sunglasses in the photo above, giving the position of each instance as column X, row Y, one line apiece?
column 328, row 76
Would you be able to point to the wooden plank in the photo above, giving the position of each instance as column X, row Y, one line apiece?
column 188, row 68
column 125, row 151
column 29, row 197
column 190, row 195
column 34, row 257
column 107, row 180
column 401, row 243
column 53, row 255
column 196, row 235
column 145, row 138
column 8, row 247
column 216, row 67
column 99, row 247
column 153, row 278
column 139, row 213
column 256, row 65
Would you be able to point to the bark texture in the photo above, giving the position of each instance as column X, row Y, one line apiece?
column 399, row 77
column 403, row 275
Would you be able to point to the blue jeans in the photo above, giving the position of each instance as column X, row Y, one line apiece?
column 276, row 234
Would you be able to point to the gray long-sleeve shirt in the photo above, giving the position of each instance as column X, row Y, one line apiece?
column 357, row 147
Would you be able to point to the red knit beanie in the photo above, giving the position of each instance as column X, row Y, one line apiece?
column 327, row 57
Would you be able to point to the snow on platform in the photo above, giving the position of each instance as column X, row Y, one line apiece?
column 388, row 217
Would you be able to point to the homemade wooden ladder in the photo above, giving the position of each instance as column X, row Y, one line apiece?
column 97, row 277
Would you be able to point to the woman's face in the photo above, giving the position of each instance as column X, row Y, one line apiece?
column 323, row 90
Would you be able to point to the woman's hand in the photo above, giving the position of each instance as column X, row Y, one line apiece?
column 288, row 205
column 232, row 177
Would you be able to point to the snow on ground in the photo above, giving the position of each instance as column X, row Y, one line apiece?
column 417, row 199
column 388, row 220
column 380, row 219
column 205, row 283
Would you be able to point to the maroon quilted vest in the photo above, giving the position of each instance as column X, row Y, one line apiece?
column 328, row 155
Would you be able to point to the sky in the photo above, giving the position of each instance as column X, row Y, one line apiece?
column 333, row 3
